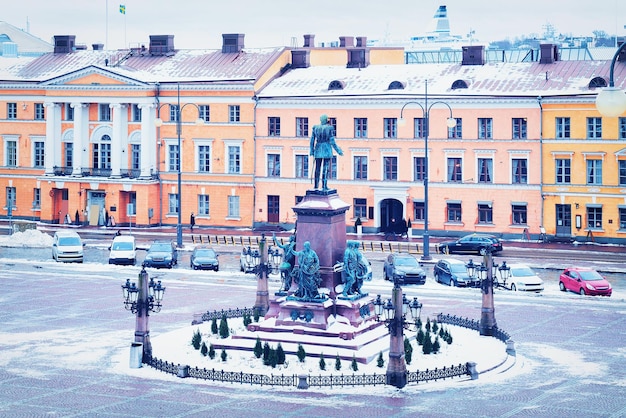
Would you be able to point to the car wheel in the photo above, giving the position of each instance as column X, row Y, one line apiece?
column 562, row 287
column 582, row 291
column 513, row 287
column 482, row 251
column 437, row 277
column 452, row 283
column 217, row 269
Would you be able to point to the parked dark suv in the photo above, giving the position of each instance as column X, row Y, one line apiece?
column 161, row 254
column 405, row 267
column 473, row 243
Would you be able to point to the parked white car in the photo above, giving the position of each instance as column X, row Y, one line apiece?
column 523, row 278
column 67, row 247
column 123, row 250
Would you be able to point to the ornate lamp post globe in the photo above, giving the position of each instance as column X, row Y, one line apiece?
column 611, row 101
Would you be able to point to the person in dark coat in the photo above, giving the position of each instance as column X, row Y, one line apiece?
column 192, row 221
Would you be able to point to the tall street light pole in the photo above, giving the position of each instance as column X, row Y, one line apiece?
column 611, row 101
column 451, row 123
column 159, row 122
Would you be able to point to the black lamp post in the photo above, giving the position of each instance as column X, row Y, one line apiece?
column 141, row 300
column 264, row 262
column 486, row 272
column 159, row 122
column 395, row 311
column 451, row 123
column 611, row 101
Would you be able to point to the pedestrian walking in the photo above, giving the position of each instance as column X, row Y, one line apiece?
column 192, row 221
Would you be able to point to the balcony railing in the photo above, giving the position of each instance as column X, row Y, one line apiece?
column 101, row 172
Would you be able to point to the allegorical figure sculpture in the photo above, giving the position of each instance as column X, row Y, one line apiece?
column 322, row 145
column 289, row 260
column 308, row 274
column 354, row 271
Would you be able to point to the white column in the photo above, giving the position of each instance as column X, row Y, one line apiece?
column 52, row 145
column 120, row 130
column 148, row 141
column 81, row 136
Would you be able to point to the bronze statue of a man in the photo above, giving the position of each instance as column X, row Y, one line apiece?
column 322, row 145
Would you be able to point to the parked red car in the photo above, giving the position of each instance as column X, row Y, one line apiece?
column 585, row 281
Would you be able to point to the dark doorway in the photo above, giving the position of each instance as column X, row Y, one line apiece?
column 273, row 208
column 390, row 209
column 563, row 220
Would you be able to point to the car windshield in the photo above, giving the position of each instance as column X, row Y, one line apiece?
column 122, row 246
column 457, row 268
column 161, row 247
column 205, row 253
column 406, row 261
column 69, row 241
column 521, row 272
column 590, row 275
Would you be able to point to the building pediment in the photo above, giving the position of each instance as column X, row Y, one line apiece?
column 92, row 76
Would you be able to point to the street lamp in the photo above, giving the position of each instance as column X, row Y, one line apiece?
column 395, row 311
column 264, row 262
column 611, row 101
column 158, row 123
column 141, row 300
column 485, row 273
column 451, row 123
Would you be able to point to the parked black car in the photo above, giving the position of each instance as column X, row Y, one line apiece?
column 473, row 243
column 454, row 273
column 405, row 267
column 161, row 254
column 204, row 258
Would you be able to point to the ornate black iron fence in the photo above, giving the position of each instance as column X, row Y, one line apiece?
column 437, row 373
column 471, row 324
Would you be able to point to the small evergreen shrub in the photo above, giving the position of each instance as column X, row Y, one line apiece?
column 408, row 351
column 435, row 327
column 322, row 362
column 214, row 326
column 420, row 337
column 258, row 348
column 272, row 359
column 257, row 315
column 224, row 356
column 204, row 349
column 266, row 354
column 337, row 363
column 428, row 324
column 427, row 345
column 381, row 361
column 301, row 353
column 196, row 339
column 247, row 320
column 419, row 323
column 224, row 331
column 436, row 345
column 280, row 354
column 211, row 351
column 354, row 365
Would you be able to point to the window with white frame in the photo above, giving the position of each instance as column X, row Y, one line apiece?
column 594, row 171
column 174, row 113
column 360, row 208
column 101, row 153
column 68, row 154
column 234, row 113
column 135, row 156
column 234, row 159
column 360, row 167
column 485, row 128
column 69, row 112
column 40, row 111
column 205, row 113
column 562, row 128
column 10, row 153
column 419, row 128
column 11, row 197
column 594, row 217
column 203, row 205
column 172, row 207
column 39, row 154
column 485, row 213
column 360, row 127
column 456, row 132
column 332, row 171
column 233, row 206
column 418, row 210
column 519, row 128
column 104, row 112
column 419, row 168
column 485, row 170
column 273, row 165
column 563, row 170
column 622, row 172
column 519, row 171
column 455, row 170
column 519, row 214
column 453, row 210
column 302, row 166
column 36, row 198
column 302, row 127
column 594, row 128
column 273, row 126
column 204, row 158
column 390, row 168
column 135, row 113
column 622, row 217
column 621, row 128
column 390, row 128
column 11, row 110
column 173, row 161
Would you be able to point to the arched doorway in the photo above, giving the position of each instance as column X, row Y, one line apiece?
column 390, row 209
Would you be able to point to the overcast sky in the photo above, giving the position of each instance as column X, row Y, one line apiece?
column 201, row 23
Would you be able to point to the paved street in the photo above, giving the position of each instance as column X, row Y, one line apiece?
column 65, row 336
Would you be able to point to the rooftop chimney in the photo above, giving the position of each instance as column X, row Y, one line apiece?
column 161, row 44
column 309, row 41
column 361, row 41
column 473, row 55
column 549, row 53
column 232, row 42
column 345, row 41
column 64, row 44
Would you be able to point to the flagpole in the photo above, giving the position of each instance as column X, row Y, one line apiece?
column 106, row 32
